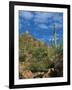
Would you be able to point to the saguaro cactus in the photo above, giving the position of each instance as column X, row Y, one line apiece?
column 60, row 42
column 54, row 33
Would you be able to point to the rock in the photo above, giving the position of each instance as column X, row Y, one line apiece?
column 38, row 74
column 58, row 65
column 21, row 67
column 59, row 68
column 27, row 74
column 51, row 73
column 20, row 76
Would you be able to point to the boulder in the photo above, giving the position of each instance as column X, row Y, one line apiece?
column 27, row 74
column 51, row 73
column 38, row 74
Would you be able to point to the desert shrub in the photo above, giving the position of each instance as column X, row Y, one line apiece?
column 20, row 76
column 22, row 58
column 40, row 53
column 39, row 66
column 36, row 67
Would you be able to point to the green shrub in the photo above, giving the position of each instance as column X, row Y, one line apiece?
column 37, row 66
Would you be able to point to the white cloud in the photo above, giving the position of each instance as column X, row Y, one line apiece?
column 42, row 17
column 43, row 26
column 58, row 25
column 57, row 35
column 26, row 14
column 48, row 17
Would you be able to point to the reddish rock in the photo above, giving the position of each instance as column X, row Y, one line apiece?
column 27, row 74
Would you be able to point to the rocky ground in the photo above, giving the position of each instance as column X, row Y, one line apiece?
column 38, row 60
column 55, row 70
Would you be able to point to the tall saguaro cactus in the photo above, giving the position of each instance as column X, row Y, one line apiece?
column 54, row 33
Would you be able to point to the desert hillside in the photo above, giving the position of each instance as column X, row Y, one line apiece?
column 37, row 59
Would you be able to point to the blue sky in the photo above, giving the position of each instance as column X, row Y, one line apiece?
column 41, row 24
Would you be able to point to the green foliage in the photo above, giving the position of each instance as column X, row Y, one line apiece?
column 33, row 52
column 36, row 55
column 36, row 65
column 40, row 53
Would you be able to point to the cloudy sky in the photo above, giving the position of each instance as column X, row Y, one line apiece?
column 41, row 24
